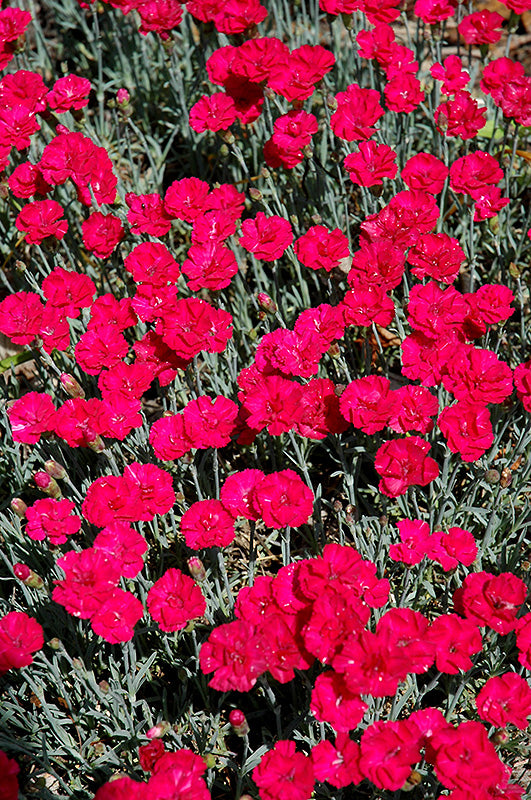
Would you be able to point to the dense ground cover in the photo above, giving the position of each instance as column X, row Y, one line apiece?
column 265, row 473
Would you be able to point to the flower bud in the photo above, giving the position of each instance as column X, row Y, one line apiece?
column 266, row 302
column 27, row 576
column 331, row 102
column 158, row 730
column 197, row 569
column 228, row 137
column 492, row 476
column 412, row 782
column 334, row 351
column 19, row 507
column 255, row 194
column 122, row 97
column 71, row 386
column 47, row 484
column 348, row 21
column 54, row 469
column 500, row 737
column 240, row 726
column 97, row 445
column 210, row 760
column 55, row 643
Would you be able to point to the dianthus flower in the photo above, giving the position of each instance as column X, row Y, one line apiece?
column 9, row 768
column 237, row 655
column 26, row 181
column 20, row 636
column 481, row 27
column 266, row 237
column 403, row 93
column 467, row 744
column 284, row 773
column 147, row 214
column 478, row 376
column 102, row 233
column 80, row 422
column 451, row 73
column 69, row 93
column 121, row 789
column 461, row 116
column 295, row 77
column 402, row 463
column 367, row 403
column 18, row 123
column 271, row 402
column 192, row 325
column 125, row 545
column 30, row 416
column 388, row 752
column 491, row 600
column 324, row 320
column 159, row 16
column 333, row 702
column 68, row 290
column 216, row 112
column 282, row 498
column 413, row 407
column 186, row 199
column 174, row 600
column 289, row 352
column 52, row 519
column 321, row 248
column 357, row 111
column 338, row 763
column 371, row 164
column 91, row 578
column 209, row 421
column 99, row 348
column 458, row 546
column 209, row 265
column 425, row 172
column 178, row 776
column 363, row 306
column 237, row 493
column 41, row 219
column 378, row 263
column 319, row 410
column 414, row 538
column 168, row 437
column 505, row 699
column 467, row 429
column 433, row 11
column 117, row 617
column 436, row 255
column 292, row 133
column 207, row 523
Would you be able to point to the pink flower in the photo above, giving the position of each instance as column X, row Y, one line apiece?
column 266, row 237
column 216, row 112
column 9, row 768
column 491, row 600
column 367, row 403
column 207, row 524
column 41, row 219
column 321, row 248
column 284, row 773
column 102, row 233
column 357, row 111
column 388, row 752
column 414, row 537
column 117, row 617
column 402, row 463
column 69, row 93
column 53, row 520
column 68, row 291
column 461, row 116
column 237, row 493
column 333, row 702
column 125, row 545
column 282, row 498
column 30, row 416
column 236, row 654
column 20, row 636
column 21, row 317
column 425, row 172
column 339, row 763
column 467, row 429
column 371, row 164
column 505, row 699
column 174, row 600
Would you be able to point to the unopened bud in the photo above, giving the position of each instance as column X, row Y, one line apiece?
column 158, row 730
column 307, row 151
column 197, row 569
column 224, row 151
column 240, row 726
column 27, row 576
column 266, row 302
column 71, row 386
column 348, row 21
column 20, row 266
column 334, row 351
column 19, row 507
column 514, row 270
column 500, row 737
column 55, row 643
column 47, row 484
column 210, row 760
column 54, row 469
column 104, row 687
column 525, row 566
column 255, row 194
column 97, row 445
column 228, row 137
column 414, row 780
column 331, row 102
column 506, row 478
column 494, row 225
column 492, row 476
column 442, row 122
